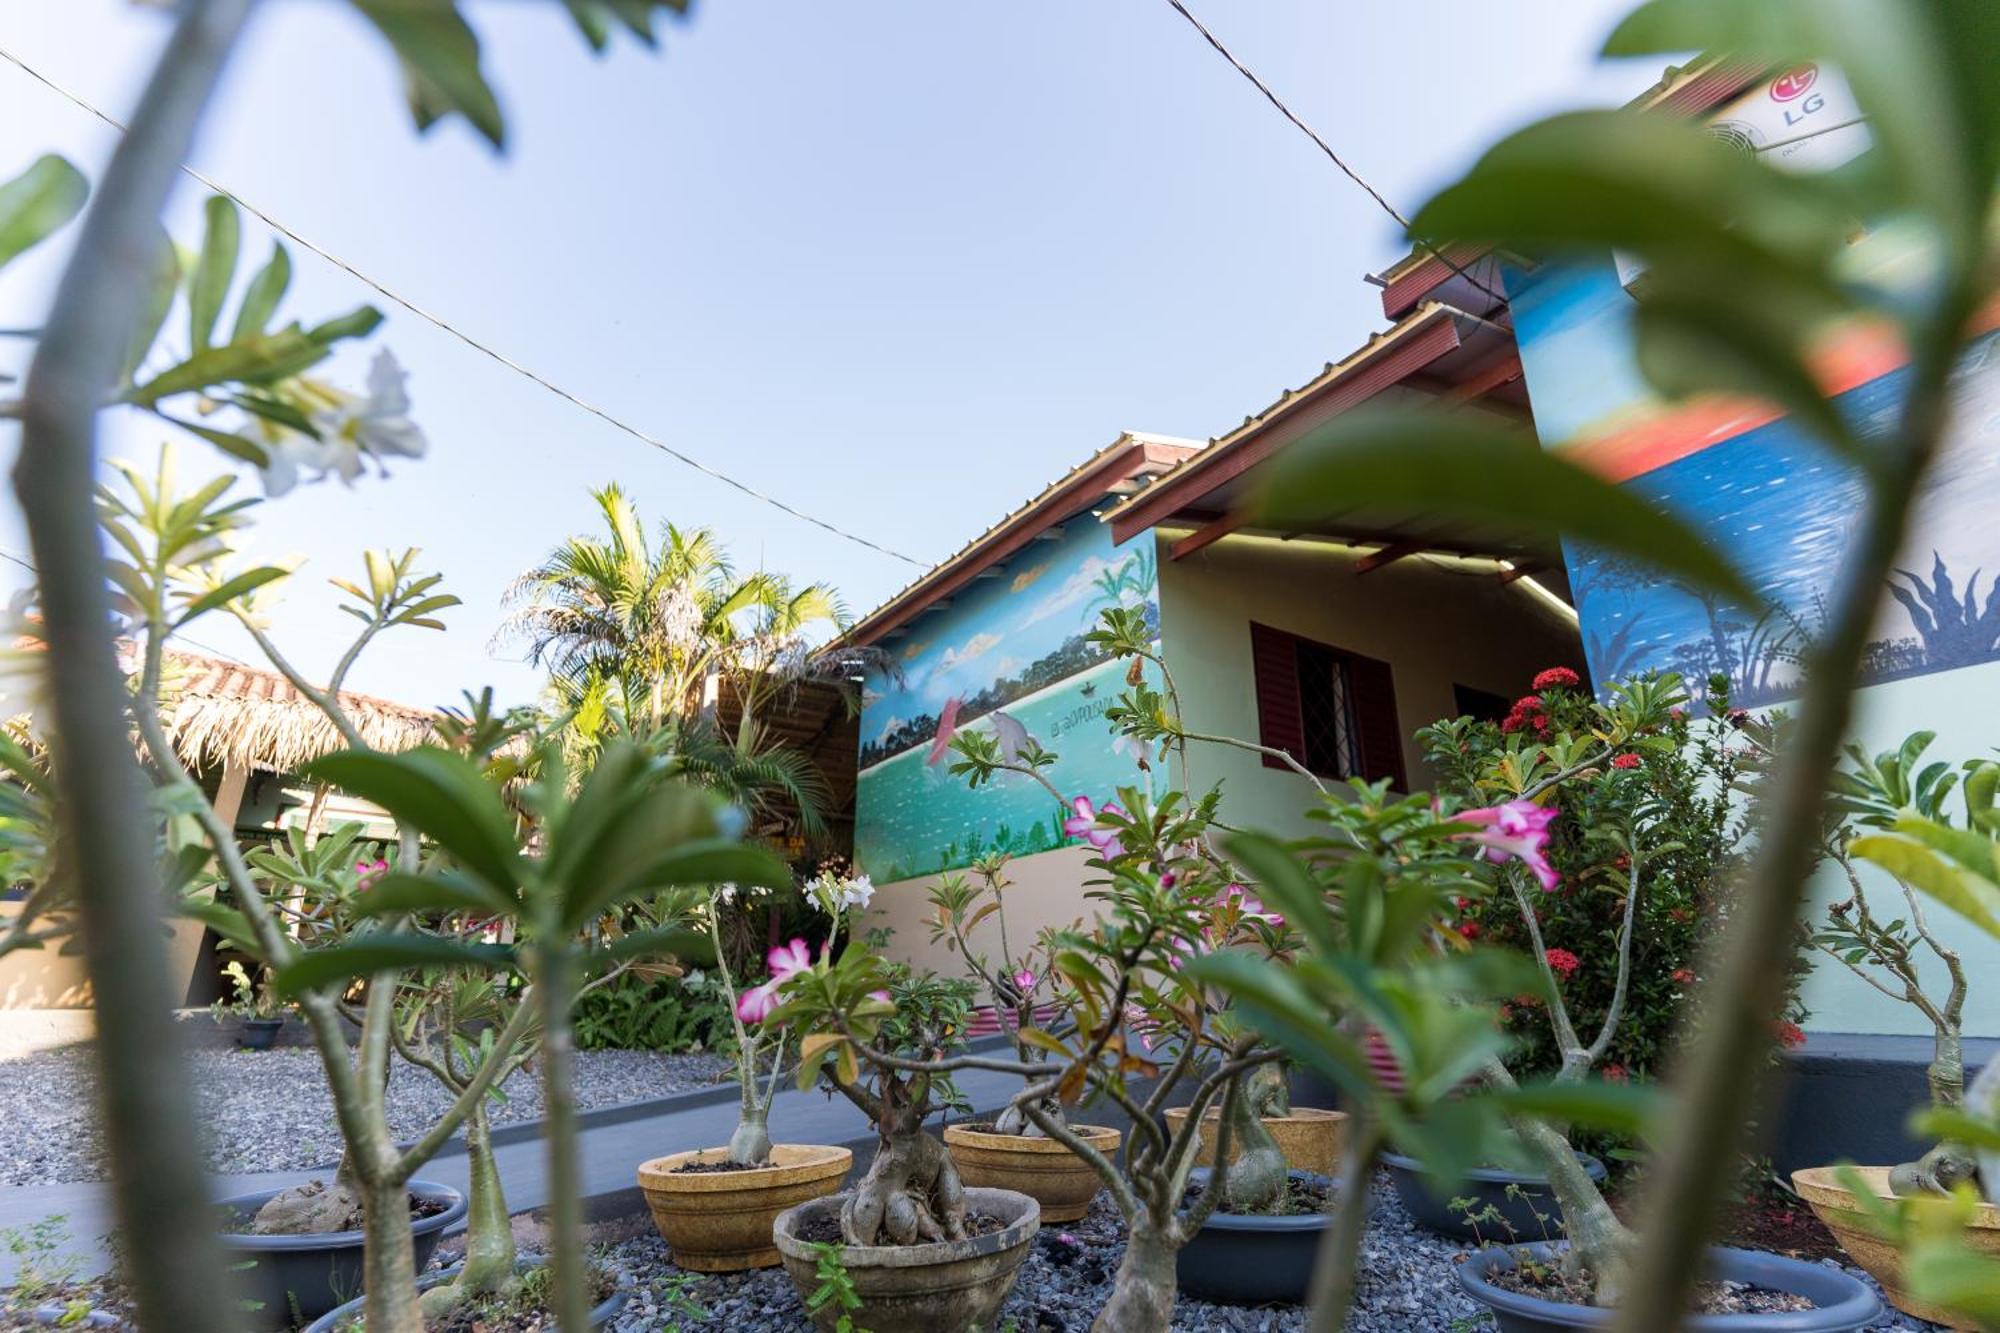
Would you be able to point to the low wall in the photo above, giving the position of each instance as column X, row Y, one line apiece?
column 1848, row 1097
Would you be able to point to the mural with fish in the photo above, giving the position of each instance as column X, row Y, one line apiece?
column 1007, row 656
column 1765, row 492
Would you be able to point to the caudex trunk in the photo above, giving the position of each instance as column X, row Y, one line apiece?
column 1142, row 1292
column 911, row 1193
column 1947, row 1165
column 489, row 1233
column 1599, row 1243
column 389, row 1262
column 1255, row 1180
column 750, row 1145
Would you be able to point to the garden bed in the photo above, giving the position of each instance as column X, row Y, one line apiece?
column 1407, row 1285
column 269, row 1110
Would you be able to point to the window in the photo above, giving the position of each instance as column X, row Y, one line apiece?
column 1480, row 705
column 1332, row 710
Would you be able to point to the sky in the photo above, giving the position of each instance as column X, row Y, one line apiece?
column 896, row 263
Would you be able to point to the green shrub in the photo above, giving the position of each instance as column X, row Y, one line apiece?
column 645, row 1011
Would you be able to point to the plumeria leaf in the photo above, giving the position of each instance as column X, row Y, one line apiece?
column 388, row 952
column 164, row 281
column 227, row 922
column 398, row 893
column 266, row 290
column 37, row 203
column 443, row 795
column 357, row 323
column 253, row 360
column 440, row 57
column 208, row 285
column 1467, row 467
column 1969, row 893
column 246, row 582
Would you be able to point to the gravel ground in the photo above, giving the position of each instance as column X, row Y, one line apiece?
column 269, row 1110
column 1407, row 1285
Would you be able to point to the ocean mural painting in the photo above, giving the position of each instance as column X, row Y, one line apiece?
column 1766, row 493
column 1008, row 656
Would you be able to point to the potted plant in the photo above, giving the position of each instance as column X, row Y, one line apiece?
column 1896, row 794
column 1012, row 1152
column 921, row 1250
column 259, row 1014
column 715, row 1206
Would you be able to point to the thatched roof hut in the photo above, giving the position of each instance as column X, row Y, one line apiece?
column 224, row 714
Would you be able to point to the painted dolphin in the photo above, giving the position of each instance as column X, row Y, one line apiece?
column 1014, row 738
column 947, row 727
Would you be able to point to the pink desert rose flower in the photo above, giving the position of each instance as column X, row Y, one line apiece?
column 369, row 872
column 786, row 961
column 1025, row 980
column 1249, row 904
column 1083, row 824
column 1517, row 830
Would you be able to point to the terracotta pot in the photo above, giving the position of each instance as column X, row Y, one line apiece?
column 1056, row 1178
column 1311, row 1139
column 940, row 1287
column 1830, row 1200
column 720, row 1221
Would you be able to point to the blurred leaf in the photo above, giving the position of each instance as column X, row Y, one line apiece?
column 227, row 922
column 248, row 581
column 262, row 357
column 398, row 893
column 443, row 795
column 261, row 297
column 37, row 202
column 1467, row 467
column 386, row 953
column 1971, row 895
column 1621, row 1108
column 160, row 289
column 236, row 446
column 208, row 286
column 440, row 57
column 357, row 323
column 668, row 941
column 1950, row 1123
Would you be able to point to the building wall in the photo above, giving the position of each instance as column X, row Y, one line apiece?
column 1437, row 622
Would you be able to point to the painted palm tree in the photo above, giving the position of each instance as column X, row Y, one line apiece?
column 652, row 629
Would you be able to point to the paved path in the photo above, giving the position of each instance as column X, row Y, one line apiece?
column 614, row 1141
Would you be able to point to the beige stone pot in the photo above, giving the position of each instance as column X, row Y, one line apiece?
column 1056, row 1178
column 1311, row 1139
column 720, row 1221
column 1830, row 1200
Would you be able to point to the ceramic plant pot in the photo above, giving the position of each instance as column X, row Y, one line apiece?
column 1249, row 1259
column 1834, row 1206
column 1311, row 1139
column 946, row 1285
column 310, row 1274
column 1056, row 1178
column 333, row 1321
column 1518, row 1196
column 257, row 1034
column 720, row 1221
column 1840, row 1303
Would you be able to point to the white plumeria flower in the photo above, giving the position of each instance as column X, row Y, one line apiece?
column 378, row 425
column 725, row 894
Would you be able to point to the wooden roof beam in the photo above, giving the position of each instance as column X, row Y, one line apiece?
column 1207, row 534
column 1388, row 555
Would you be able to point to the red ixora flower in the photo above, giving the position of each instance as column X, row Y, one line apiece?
column 1789, row 1035
column 1562, row 962
column 1626, row 760
column 1469, row 929
column 1557, row 678
column 1683, row 976
column 1617, row 1074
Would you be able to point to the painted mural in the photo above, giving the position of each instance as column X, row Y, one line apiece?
column 1765, row 492
column 1008, row 656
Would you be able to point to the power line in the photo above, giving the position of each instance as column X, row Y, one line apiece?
column 475, row 344
column 1327, row 148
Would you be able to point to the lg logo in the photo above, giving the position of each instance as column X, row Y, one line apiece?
column 1795, row 85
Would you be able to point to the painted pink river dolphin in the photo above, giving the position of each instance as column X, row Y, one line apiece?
column 947, row 728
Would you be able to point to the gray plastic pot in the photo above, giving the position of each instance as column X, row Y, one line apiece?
column 1247, row 1259
column 257, row 1034
column 1430, row 1204
column 1841, row 1303
column 332, row 1319
column 311, row 1274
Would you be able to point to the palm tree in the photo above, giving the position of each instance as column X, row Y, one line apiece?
column 662, row 625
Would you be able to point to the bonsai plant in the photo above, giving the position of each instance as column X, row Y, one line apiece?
column 716, row 1206
column 1012, row 1152
column 1889, row 810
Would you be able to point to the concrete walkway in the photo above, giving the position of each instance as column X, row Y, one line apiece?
column 615, row 1140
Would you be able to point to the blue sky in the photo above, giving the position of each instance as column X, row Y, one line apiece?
column 899, row 264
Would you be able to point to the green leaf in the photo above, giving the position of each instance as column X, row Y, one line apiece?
column 666, row 942
column 358, row 323
column 1949, row 1123
column 266, row 289
column 387, row 953
column 256, row 359
column 208, row 287
column 440, row 57
column 399, row 893
column 1971, row 895
column 1286, row 885
column 248, row 581
column 227, row 922
column 1621, row 1108
column 37, row 202
column 236, row 446
column 160, row 289
column 443, row 795
column 1461, row 466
